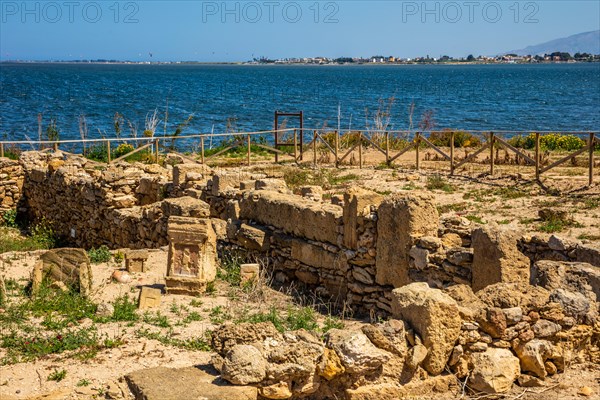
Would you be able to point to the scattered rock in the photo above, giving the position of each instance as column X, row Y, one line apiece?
column 244, row 364
column 355, row 350
column 494, row 371
column 277, row 391
column 121, row 276
column 533, row 355
column 434, row 316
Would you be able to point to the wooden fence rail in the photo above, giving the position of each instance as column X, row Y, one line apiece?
column 330, row 141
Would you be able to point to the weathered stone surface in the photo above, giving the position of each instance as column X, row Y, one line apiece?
column 513, row 315
column 228, row 335
column 149, row 298
column 185, row 207
column 496, row 257
column 192, row 255
column 576, row 277
column 249, row 274
column 184, row 383
column 506, row 295
column 589, row 253
column 401, row 221
column 227, row 180
column 357, row 204
column 318, row 257
column 135, row 260
column 293, row 214
column 573, row 304
column 331, row 365
column 184, row 172
column 533, row 355
column 388, row 336
column 544, row 328
column 434, row 316
column 69, row 266
column 244, row 364
column 355, row 350
column 277, row 391
column 494, row 371
column 277, row 185
column 314, row 193
column 253, row 238
column 493, row 322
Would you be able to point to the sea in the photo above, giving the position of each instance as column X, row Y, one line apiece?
column 226, row 98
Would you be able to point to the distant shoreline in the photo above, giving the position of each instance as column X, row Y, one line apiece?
column 285, row 64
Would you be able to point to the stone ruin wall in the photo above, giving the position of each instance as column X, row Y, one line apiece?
column 329, row 247
column 11, row 184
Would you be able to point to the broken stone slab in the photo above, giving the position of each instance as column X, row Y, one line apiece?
column 192, row 261
column 356, row 352
column 533, row 354
column 228, row 335
column 69, row 266
column 496, row 257
column 223, row 181
column 185, row 207
column 402, row 220
column 184, row 383
column 434, row 316
column 276, row 185
column 149, row 298
column 135, row 260
column 317, row 257
column 314, row 193
column 253, row 238
column 181, row 172
column 494, row 371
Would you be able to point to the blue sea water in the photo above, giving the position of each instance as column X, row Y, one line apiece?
column 556, row 97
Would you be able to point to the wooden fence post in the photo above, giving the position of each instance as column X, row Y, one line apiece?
column 452, row 154
column 491, row 153
column 1, row 149
column 295, row 146
column 202, row 148
column 156, row 149
column 418, row 141
column 108, row 151
column 55, row 146
column 249, row 149
column 315, row 148
column 275, row 143
column 337, row 148
column 591, row 166
column 387, row 149
column 537, row 156
column 360, row 150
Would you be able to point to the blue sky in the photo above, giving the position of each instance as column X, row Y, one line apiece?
column 240, row 30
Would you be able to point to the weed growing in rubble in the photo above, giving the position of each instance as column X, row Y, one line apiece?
column 57, row 375
column 100, row 255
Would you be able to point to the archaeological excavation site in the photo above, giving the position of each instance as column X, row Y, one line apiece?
column 184, row 281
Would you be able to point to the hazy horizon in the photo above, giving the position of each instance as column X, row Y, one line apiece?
column 233, row 31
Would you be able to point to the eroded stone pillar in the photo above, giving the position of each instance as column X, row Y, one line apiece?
column 192, row 255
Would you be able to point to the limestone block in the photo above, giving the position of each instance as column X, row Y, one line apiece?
column 292, row 214
column 317, row 257
column 185, row 207
column 192, row 255
column 401, row 221
column 249, row 273
column 149, row 298
column 434, row 316
column 496, row 257
column 494, row 371
column 135, row 260
column 253, row 238
column 227, row 180
column 69, row 266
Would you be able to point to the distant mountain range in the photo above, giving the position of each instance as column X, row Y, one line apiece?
column 587, row 42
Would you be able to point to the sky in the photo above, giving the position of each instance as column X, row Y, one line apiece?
column 229, row 31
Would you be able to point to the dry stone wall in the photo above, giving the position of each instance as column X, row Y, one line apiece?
column 11, row 185
column 353, row 249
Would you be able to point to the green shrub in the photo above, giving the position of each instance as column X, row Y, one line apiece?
column 125, row 309
column 550, row 141
column 43, row 235
column 97, row 152
column 438, row 182
column 122, row 149
column 10, row 218
column 57, row 375
column 461, row 139
column 100, row 255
